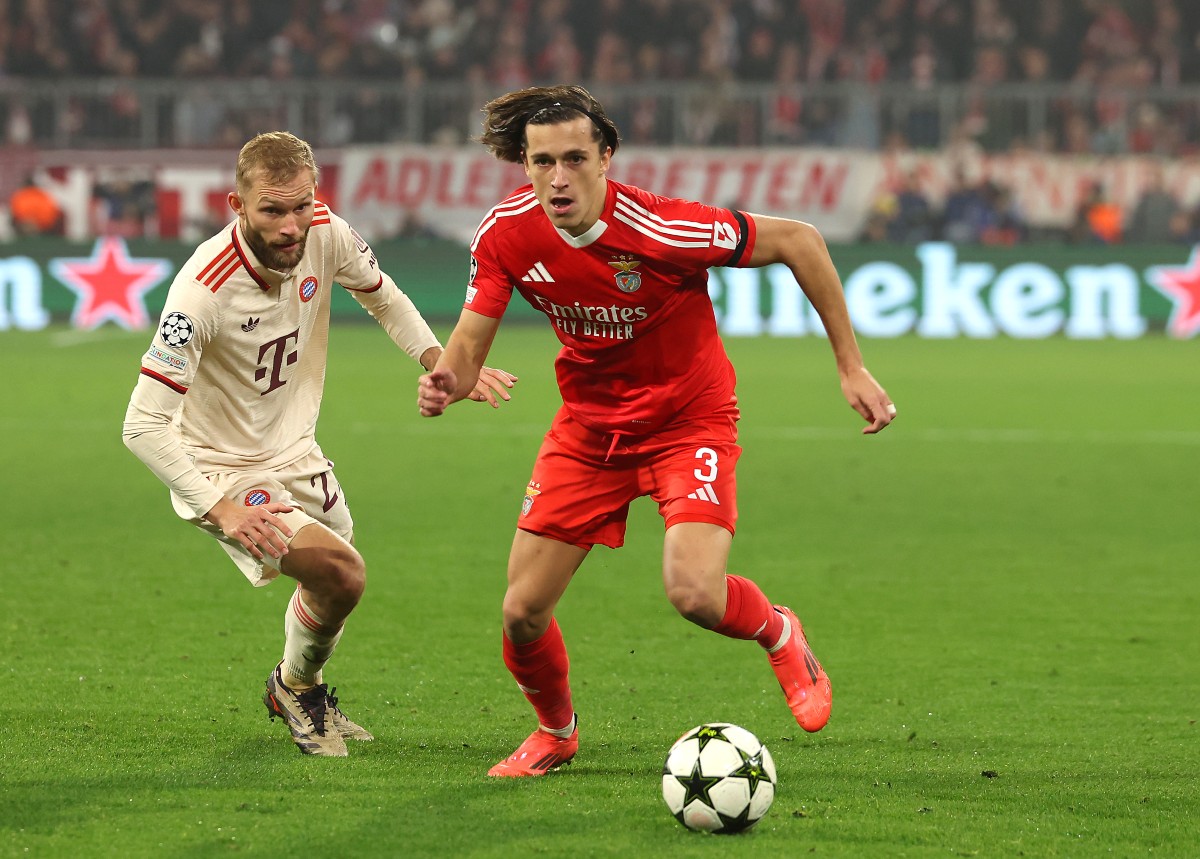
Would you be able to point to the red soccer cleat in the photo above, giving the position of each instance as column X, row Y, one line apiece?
column 538, row 755
column 804, row 681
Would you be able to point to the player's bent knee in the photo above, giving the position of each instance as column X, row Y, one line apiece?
column 695, row 604
column 523, row 623
column 337, row 574
column 347, row 575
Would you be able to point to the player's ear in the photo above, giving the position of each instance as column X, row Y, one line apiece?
column 235, row 202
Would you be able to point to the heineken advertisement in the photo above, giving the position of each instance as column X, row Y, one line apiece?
column 928, row 290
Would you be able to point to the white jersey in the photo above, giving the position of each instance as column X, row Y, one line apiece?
column 234, row 376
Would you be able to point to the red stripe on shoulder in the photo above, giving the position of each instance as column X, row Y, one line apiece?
column 214, row 264
column 174, row 386
column 222, row 274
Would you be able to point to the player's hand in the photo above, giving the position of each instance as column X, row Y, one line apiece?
column 869, row 399
column 434, row 391
column 257, row 528
column 493, row 386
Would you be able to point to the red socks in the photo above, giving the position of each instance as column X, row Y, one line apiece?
column 540, row 669
column 749, row 614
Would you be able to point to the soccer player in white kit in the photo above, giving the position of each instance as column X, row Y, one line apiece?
column 225, row 409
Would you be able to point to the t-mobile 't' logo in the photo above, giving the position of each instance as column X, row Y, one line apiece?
column 279, row 357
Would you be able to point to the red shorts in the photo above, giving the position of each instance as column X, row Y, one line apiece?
column 583, row 480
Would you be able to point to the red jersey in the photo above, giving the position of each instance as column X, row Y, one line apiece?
column 628, row 300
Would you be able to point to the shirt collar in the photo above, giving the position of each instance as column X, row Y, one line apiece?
column 594, row 232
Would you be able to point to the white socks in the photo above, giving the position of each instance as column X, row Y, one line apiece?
column 307, row 644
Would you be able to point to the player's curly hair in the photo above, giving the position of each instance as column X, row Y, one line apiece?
column 277, row 155
column 505, row 118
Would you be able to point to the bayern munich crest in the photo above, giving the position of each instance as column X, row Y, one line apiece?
column 255, row 497
column 628, row 280
column 308, row 288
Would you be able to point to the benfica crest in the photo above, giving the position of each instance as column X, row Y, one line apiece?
column 532, row 491
column 628, row 280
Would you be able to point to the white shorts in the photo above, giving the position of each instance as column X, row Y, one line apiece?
column 308, row 484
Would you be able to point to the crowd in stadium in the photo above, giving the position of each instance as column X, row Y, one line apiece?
column 517, row 42
column 1096, row 52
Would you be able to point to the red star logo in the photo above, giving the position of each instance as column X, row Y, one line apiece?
column 1181, row 284
column 110, row 285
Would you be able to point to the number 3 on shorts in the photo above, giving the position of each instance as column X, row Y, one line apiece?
column 709, row 473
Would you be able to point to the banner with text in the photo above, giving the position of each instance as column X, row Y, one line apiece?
column 929, row 290
column 391, row 190
column 399, row 190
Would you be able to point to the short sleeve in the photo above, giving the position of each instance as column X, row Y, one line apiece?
column 489, row 290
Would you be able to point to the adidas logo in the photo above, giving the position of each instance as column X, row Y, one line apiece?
column 538, row 274
column 705, row 493
column 250, row 325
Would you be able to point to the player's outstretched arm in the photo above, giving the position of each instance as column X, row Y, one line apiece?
column 459, row 372
column 801, row 248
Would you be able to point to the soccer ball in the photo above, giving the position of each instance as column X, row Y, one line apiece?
column 718, row 778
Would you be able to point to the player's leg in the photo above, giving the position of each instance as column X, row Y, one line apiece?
column 539, row 571
column 694, row 559
column 330, row 577
column 695, row 485
column 573, row 502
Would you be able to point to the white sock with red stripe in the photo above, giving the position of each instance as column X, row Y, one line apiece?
column 307, row 644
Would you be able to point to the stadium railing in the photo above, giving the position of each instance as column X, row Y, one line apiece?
column 152, row 114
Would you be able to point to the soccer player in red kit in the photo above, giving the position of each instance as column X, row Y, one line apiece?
column 648, row 392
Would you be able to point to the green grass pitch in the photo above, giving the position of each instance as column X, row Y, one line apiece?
column 1003, row 587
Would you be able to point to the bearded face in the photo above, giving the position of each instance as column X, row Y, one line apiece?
column 281, row 253
column 275, row 216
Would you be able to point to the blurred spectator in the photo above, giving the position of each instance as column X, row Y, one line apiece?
column 1154, row 212
column 922, row 118
column 901, row 214
column 1098, row 220
column 1005, row 224
column 965, row 213
column 913, row 219
column 123, row 204
column 34, row 211
column 878, row 217
column 1185, row 227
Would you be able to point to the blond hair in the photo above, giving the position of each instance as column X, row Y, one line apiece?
column 276, row 156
